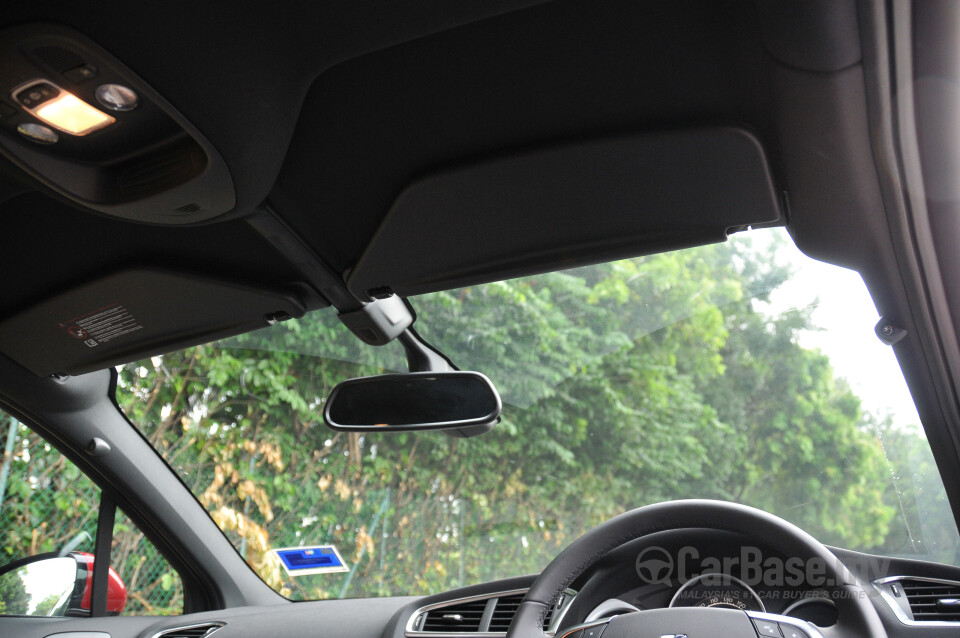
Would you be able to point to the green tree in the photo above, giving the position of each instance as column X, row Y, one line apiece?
column 45, row 606
column 924, row 524
column 14, row 598
column 49, row 505
column 635, row 381
column 801, row 444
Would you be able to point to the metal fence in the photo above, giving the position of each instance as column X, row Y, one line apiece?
column 48, row 505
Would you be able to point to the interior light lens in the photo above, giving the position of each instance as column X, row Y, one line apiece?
column 38, row 133
column 117, row 97
column 72, row 115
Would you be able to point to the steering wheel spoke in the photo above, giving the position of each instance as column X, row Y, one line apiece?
column 777, row 626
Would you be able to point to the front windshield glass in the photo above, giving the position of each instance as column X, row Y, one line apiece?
column 741, row 371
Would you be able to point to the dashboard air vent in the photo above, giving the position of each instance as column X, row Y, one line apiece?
column 462, row 617
column 190, row 631
column 931, row 600
column 506, row 609
column 488, row 615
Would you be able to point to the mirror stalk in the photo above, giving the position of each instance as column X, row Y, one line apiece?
column 421, row 356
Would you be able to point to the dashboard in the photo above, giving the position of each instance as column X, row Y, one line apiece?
column 677, row 568
column 691, row 568
column 620, row 582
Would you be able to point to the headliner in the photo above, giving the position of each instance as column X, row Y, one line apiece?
column 325, row 112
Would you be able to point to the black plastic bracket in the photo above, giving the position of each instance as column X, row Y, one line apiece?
column 379, row 322
column 103, row 545
column 888, row 332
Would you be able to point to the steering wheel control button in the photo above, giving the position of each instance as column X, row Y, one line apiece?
column 594, row 632
column 767, row 628
column 81, row 73
column 38, row 133
column 35, row 95
column 789, row 631
column 117, row 97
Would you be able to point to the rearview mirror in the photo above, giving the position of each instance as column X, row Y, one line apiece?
column 462, row 403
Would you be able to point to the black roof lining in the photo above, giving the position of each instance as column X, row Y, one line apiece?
column 51, row 246
column 420, row 99
column 563, row 71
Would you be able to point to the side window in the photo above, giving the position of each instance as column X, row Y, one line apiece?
column 48, row 526
column 153, row 588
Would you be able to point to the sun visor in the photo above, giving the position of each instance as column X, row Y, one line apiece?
column 568, row 206
column 134, row 314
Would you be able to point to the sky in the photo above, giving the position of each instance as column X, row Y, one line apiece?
column 846, row 313
column 54, row 577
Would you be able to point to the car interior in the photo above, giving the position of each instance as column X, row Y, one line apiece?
column 177, row 174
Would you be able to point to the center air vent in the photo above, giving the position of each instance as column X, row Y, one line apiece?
column 190, row 631
column 457, row 618
column 931, row 600
column 488, row 615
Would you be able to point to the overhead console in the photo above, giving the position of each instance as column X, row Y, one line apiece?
column 84, row 125
column 566, row 206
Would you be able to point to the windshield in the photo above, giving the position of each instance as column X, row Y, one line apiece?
column 741, row 371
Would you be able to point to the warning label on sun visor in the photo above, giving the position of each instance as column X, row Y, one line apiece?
column 101, row 325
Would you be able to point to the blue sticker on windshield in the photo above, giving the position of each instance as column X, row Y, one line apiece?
column 303, row 561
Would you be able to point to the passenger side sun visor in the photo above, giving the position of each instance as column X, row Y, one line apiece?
column 134, row 314
column 568, row 206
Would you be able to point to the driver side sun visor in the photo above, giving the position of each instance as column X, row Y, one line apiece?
column 569, row 206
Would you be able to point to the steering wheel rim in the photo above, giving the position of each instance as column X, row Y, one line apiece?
column 857, row 614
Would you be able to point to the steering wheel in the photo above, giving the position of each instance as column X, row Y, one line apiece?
column 857, row 615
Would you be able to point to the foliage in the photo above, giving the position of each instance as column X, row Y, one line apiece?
column 625, row 383
column 44, row 490
column 14, row 598
column 925, row 525
column 48, row 505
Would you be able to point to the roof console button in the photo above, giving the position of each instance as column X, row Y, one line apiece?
column 37, row 94
column 80, row 73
